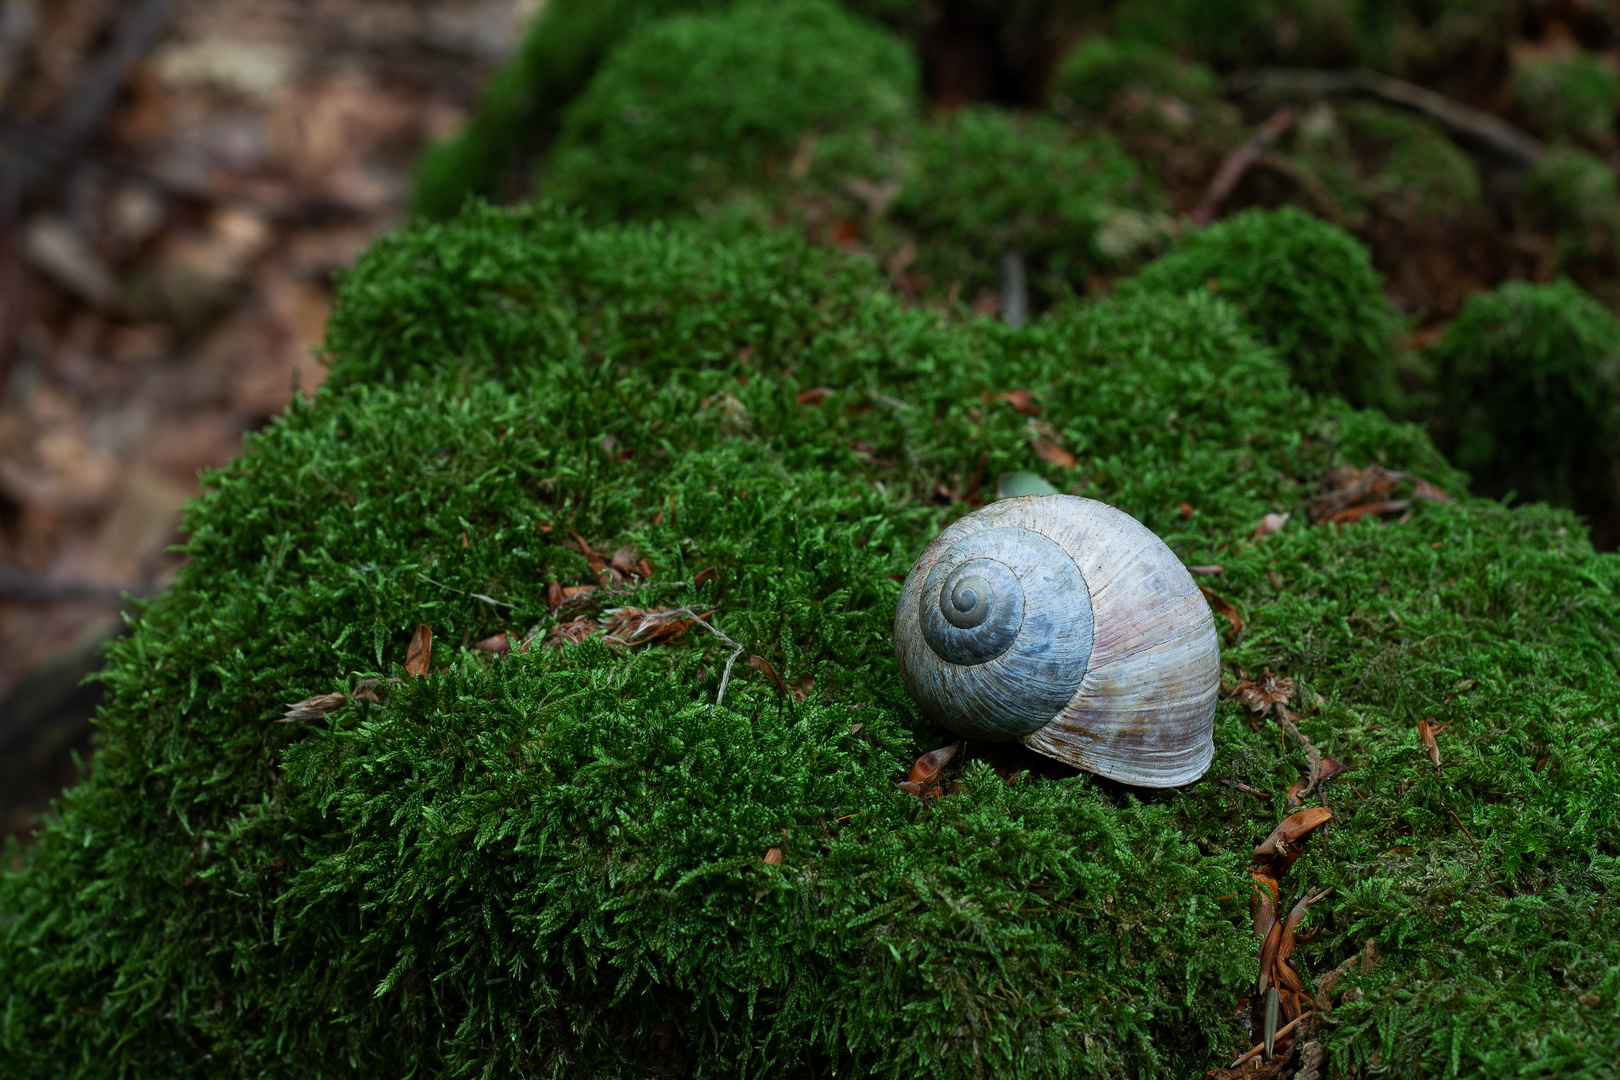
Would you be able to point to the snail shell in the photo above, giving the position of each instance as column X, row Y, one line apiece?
column 1067, row 625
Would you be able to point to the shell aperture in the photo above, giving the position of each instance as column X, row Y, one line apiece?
column 978, row 622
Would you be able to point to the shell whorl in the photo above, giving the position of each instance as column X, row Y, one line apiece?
column 1067, row 625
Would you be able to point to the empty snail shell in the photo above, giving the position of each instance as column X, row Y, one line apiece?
column 1067, row 625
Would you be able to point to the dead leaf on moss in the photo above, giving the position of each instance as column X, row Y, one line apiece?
column 629, row 563
column 1186, row 510
column 1349, row 494
column 815, row 395
column 1295, row 797
column 1207, row 568
column 802, row 687
column 1429, row 735
column 499, row 644
column 705, row 576
column 1260, row 695
column 638, row 626
column 1331, row 769
column 419, row 654
column 558, row 595
column 1022, row 401
column 313, row 708
column 926, row 768
column 1287, row 838
column 1226, row 610
column 572, row 632
column 1053, row 454
column 773, row 856
column 598, row 562
column 763, row 666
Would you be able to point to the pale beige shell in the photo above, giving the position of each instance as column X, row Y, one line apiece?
column 1110, row 664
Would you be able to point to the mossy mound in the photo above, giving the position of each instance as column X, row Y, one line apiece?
column 689, row 108
column 554, row 863
column 1530, row 382
column 1572, row 196
column 1100, row 69
column 1307, row 287
column 984, row 182
column 1574, row 98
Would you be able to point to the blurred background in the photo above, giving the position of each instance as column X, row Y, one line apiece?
column 180, row 181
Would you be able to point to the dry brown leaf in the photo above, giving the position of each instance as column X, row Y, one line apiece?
column 1207, row 568
column 1260, row 695
column 313, row 708
column 1053, row 454
column 1186, row 510
column 372, row 690
column 927, row 767
column 1349, row 494
column 571, row 633
column 1022, row 401
column 498, row 644
column 598, row 562
column 1263, row 904
column 558, row 594
column 802, row 687
column 626, row 561
column 419, row 654
column 1225, row 609
column 1286, row 839
column 1429, row 735
column 704, row 576
column 1331, row 768
column 815, row 395
column 1294, row 798
column 773, row 856
column 763, row 666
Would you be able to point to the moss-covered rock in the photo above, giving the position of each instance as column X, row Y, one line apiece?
column 553, row 862
column 1572, row 196
column 1305, row 286
column 1574, row 98
column 983, row 182
column 1529, row 377
column 692, row 107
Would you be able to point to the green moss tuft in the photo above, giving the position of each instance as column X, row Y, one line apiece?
column 1572, row 196
column 1101, row 68
column 1573, row 97
column 552, row 863
column 1305, row 286
column 690, row 108
column 984, row 182
column 1530, row 383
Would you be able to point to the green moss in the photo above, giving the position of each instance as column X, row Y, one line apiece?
column 1102, row 68
column 1305, row 286
column 1530, row 383
column 1573, row 197
column 1416, row 169
column 688, row 109
column 560, row 50
column 551, row 864
column 983, row 182
column 1573, row 97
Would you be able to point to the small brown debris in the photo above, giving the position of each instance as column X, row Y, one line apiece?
column 1287, row 838
column 419, row 654
column 598, row 562
column 773, row 856
column 802, row 687
column 1053, row 454
column 1207, row 568
column 1246, row 789
column 855, row 729
column 815, row 395
column 763, row 666
column 1331, row 768
column 637, row 626
column 1022, row 401
column 372, row 690
column 1349, row 494
column 313, row 708
column 1260, row 695
column 499, row 644
column 1270, row 525
column 705, row 576
column 1591, row 1001
column 572, row 632
column 1221, row 607
column 1276, row 582
column 1429, row 736
column 1296, row 795
column 927, row 767
column 1186, row 510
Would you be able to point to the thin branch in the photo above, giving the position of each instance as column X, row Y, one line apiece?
column 736, row 649
column 1466, row 125
column 464, row 592
column 1237, row 163
column 1285, row 1029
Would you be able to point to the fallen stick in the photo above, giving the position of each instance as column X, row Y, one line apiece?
column 1285, row 1029
column 1238, row 162
column 1463, row 123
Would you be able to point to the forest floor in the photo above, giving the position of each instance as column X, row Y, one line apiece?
column 162, row 290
